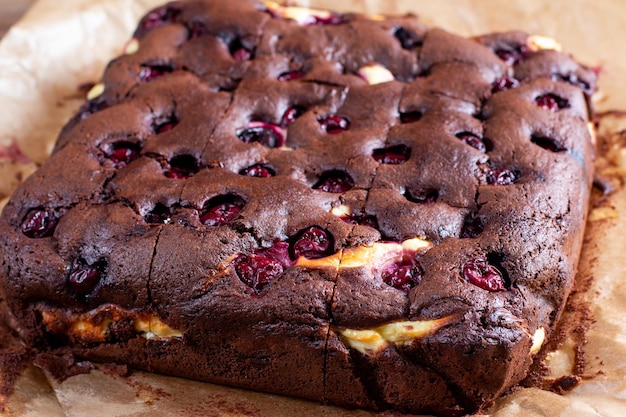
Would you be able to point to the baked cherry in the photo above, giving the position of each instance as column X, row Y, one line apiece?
column 160, row 214
column 291, row 75
column 182, row 166
column 334, row 124
column 396, row 154
column 39, row 223
column 83, row 277
column 290, row 115
column 408, row 39
column 331, row 19
column 514, row 55
column 151, row 72
column 549, row 144
column 265, row 134
column 155, row 18
column 503, row 84
column 403, row 275
column 427, row 197
column 166, row 124
column 472, row 140
column 121, row 153
column 239, row 51
column 481, row 273
column 501, row 176
column 410, row 117
column 551, row 102
column 221, row 209
column 312, row 243
column 334, row 181
column 258, row 170
column 279, row 251
column 256, row 271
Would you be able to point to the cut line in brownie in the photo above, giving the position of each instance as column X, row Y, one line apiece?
column 354, row 209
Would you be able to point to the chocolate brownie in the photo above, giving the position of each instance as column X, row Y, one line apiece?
column 353, row 209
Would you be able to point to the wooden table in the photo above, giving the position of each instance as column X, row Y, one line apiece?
column 11, row 11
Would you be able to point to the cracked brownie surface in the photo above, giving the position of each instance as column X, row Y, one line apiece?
column 358, row 210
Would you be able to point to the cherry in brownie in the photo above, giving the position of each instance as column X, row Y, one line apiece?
column 353, row 209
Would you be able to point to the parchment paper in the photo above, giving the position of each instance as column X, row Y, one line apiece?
column 62, row 44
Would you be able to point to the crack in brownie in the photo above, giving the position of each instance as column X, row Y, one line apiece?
column 357, row 210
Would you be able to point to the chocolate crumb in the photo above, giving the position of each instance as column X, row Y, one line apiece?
column 61, row 367
column 565, row 384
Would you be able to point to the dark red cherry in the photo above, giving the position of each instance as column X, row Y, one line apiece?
column 481, row 273
column 403, row 275
column 513, row 56
column 39, row 223
column 503, row 84
column 257, row 271
column 258, row 170
column 312, row 243
column 83, row 278
column 155, row 18
column 501, row 176
column 165, row 124
column 472, row 140
column 551, row 102
column 396, row 154
column 279, row 251
column 221, row 209
column 408, row 39
column 331, row 19
column 160, row 214
column 290, row 115
column 151, row 72
column 182, row 166
column 334, row 124
column 122, row 153
column 410, row 117
column 334, row 181
column 291, row 75
column 239, row 51
column 266, row 134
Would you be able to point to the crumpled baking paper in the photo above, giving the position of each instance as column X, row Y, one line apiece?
column 62, row 44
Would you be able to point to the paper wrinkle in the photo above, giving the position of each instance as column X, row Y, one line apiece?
column 61, row 44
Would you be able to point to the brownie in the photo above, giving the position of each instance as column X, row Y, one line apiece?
column 353, row 209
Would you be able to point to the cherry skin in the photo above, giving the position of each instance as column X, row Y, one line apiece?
column 334, row 181
column 39, row 223
column 221, row 209
column 257, row 271
column 312, row 243
column 479, row 272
